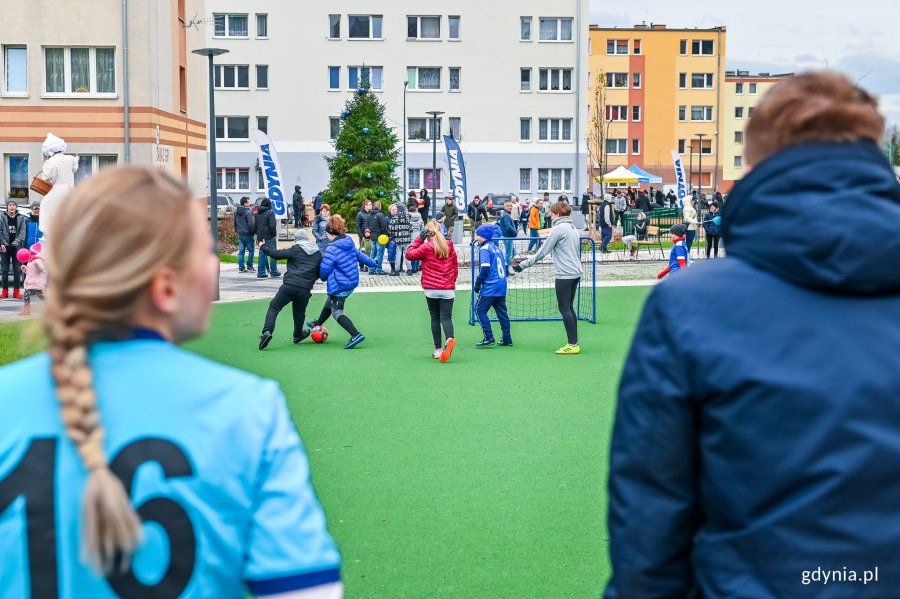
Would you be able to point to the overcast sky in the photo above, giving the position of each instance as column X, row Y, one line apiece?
column 860, row 38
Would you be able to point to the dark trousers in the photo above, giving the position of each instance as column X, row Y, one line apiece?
column 712, row 243
column 30, row 293
column 689, row 239
column 565, row 300
column 605, row 237
column 298, row 215
column 441, row 311
column 298, row 298
column 8, row 260
column 498, row 303
column 334, row 306
column 265, row 261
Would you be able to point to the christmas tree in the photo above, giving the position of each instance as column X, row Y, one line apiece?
column 365, row 157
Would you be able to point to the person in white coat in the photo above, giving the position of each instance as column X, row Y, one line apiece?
column 59, row 169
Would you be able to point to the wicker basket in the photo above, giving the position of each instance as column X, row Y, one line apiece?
column 41, row 186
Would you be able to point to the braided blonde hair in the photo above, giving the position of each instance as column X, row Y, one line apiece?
column 115, row 231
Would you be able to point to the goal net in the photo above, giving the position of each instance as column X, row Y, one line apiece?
column 531, row 294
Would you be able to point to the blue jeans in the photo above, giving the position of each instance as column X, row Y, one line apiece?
column 377, row 256
column 509, row 252
column 391, row 251
column 265, row 261
column 535, row 240
column 689, row 239
column 605, row 237
column 245, row 245
column 499, row 305
column 415, row 265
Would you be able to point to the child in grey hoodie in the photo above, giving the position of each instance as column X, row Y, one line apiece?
column 564, row 243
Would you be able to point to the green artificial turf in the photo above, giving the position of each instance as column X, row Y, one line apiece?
column 481, row 477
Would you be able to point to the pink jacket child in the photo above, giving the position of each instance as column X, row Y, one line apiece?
column 35, row 276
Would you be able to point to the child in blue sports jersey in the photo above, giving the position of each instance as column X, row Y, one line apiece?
column 122, row 426
column 678, row 257
column 491, row 286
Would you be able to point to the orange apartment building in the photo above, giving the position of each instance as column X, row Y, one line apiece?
column 64, row 71
column 664, row 90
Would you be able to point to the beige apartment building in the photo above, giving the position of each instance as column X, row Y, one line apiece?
column 64, row 70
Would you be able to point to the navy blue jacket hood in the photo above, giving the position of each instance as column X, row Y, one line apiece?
column 820, row 215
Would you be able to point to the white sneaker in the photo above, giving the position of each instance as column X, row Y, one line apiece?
column 437, row 354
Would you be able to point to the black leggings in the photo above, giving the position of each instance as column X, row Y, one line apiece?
column 335, row 304
column 441, row 311
column 565, row 299
column 712, row 243
column 9, row 261
column 298, row 298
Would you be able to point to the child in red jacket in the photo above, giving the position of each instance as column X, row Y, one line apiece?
column 439, row 273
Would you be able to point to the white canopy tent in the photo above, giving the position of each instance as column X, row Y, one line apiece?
column 619, row 175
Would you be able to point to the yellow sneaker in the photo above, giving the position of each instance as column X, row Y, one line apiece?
column 568, row 350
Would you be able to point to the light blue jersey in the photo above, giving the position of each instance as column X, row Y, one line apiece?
column 492, row 274
column 211, row 460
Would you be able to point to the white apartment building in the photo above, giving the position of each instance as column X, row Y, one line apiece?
column 510, row 78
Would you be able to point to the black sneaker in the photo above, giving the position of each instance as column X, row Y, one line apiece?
column 355, row 340
column 242, row 270
column 506, row 343
column 396, row 273
column 264, row 339
column 275, row 275
column 485, row 343
column 303, row 335
column 311, row 324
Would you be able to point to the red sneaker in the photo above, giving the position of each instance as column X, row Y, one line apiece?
column 448, row 349
column 17, row 294
column 5, row 294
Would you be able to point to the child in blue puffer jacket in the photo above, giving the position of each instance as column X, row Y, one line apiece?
column 339, row 268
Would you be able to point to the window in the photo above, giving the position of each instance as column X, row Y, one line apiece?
column 423, row 28
column 364, row 27
column 15, row 70
column 232, row 127
column 232, row 76
column 75, row 71
column 233, row 179
column 701, row 113
column 524, row 179
column 637, row 47
column 617, row 113
column 554, row 179
column 635, row 147
column 334, row 126
column 453, row 28
column 739, row 112
column 525, row 29
column 334, row 27
column 739, row 88
column 454, row 79
column 19, row 180
column 556, row 30
column 262, row 76
column 738, row 162
column 705, row 148
column 413, row 176
column 525, row 129
column 525, row 80
column 681, row 146
column 262, row 25
column 682, row 80
column 702, row 47
column 617, row 46
column 555, row 129
column 636, row 80
column 617, row 147
column 617, row 80
column 636, row 114
column 752, row 89
column 423, row 129
column 424, row 177
column 455, row 127
column 227, row 25
column 358, row 76
column 555, row 80
column 424, row 78
column 88, row 164
column 701, row 80
column 262, row 123
column 683, row 48
column 682, row 113
column 738, row 137
column 334, row 77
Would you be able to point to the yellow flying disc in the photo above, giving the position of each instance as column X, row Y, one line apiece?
column 383, row 239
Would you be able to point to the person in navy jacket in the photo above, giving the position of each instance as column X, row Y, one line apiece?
column 756, row 438
column 339, row 268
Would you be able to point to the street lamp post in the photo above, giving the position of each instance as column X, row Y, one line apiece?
column 700, row 136
column 435, row 131
column 211, row 129
column 691, row 168
column 405, row 85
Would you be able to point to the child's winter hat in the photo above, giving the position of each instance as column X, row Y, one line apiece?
column 678, row 230
column 486, row 231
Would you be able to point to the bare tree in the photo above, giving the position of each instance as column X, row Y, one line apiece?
column 598, row 134
column 892, row 143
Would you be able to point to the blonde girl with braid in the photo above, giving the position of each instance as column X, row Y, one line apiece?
column 136, row 468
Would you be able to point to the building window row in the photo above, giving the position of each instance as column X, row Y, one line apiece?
column 550, row 29
column 697, row 47
column 698, row 80
column 549, row 129
column 739, row 88
column 620, row 113
column 237, row 25
column 558, row 180
column 237, row 128
column 371, row 27
column 621, row 47
column 237, row 76
column 68, row 71
column 699, row 114
column 704, row 148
